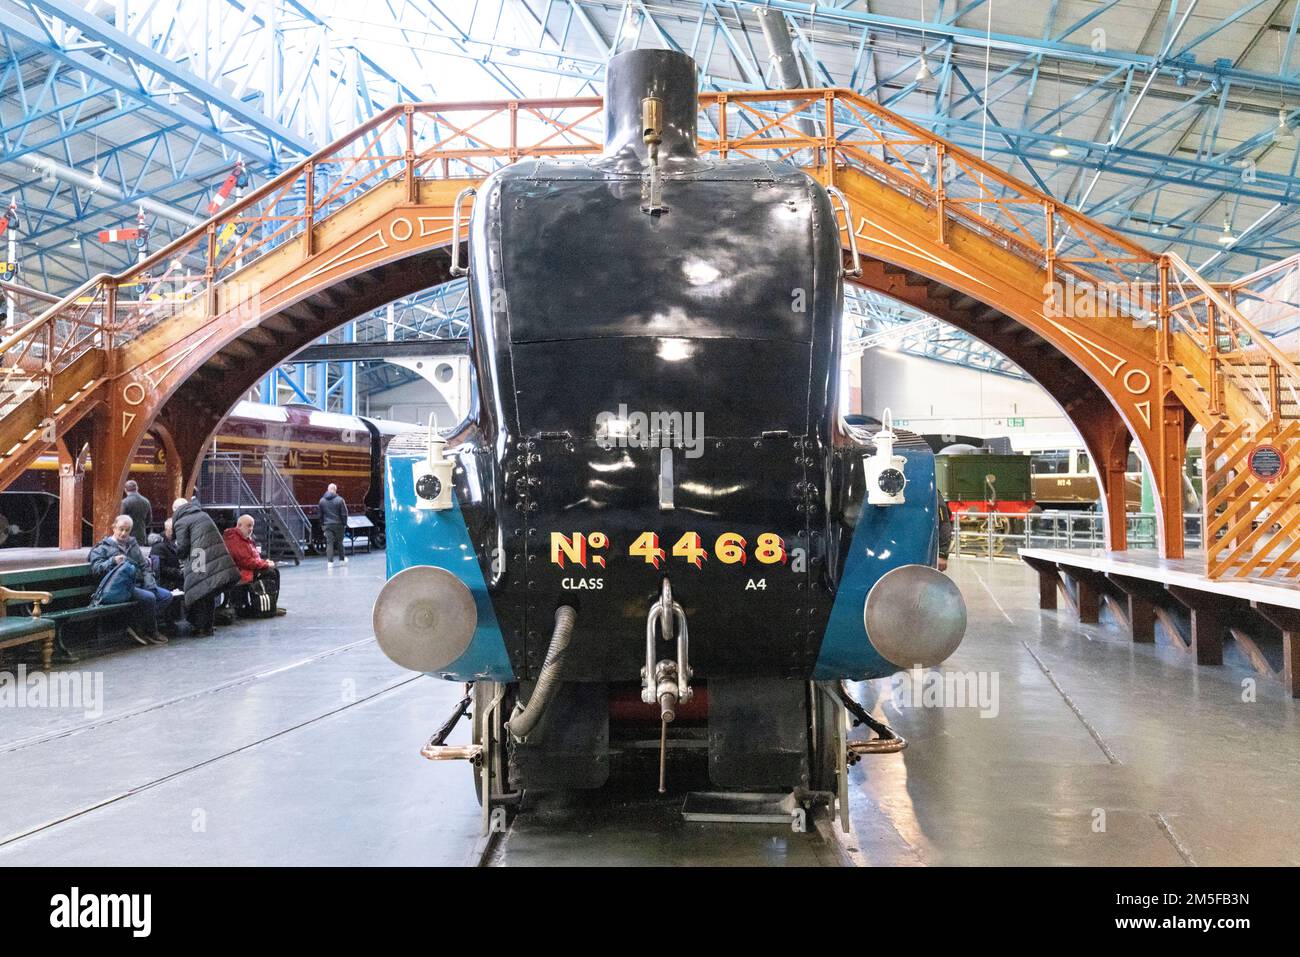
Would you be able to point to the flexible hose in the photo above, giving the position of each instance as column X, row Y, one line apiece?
column 888, row 741
column 526, row 717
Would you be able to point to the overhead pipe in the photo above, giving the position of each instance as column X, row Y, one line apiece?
column 776, row 31
column 97, row 184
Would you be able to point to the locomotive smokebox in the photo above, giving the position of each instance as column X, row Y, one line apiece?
column 631, row 78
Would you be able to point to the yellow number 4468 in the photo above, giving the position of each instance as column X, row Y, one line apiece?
column 730, row 548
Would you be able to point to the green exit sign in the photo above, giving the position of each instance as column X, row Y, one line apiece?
column 1015, row 423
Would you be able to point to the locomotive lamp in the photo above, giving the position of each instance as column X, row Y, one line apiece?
column 884, row 470
column 432, row 476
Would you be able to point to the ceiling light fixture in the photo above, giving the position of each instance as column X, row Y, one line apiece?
column 1283, row 135
column 923, row 73
column 1059, row 150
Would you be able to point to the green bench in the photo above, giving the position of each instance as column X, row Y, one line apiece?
column 24, row 628
column 68, row 590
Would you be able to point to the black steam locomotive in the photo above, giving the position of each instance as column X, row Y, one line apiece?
column 654, row 526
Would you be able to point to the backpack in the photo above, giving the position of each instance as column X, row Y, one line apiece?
column 117, row 587
column 262, row 595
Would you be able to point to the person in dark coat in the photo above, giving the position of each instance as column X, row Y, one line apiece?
column 118, row 548
column 333, row 512
column 207, row 565
column 139, row 509
column 945, row 531
column 163, row 548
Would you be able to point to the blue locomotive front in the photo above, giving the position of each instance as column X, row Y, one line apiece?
column 654, row 515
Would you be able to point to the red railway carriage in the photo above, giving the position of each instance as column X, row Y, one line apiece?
column 307, row 447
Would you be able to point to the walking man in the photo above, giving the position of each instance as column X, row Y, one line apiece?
column 333, row 513
column 139, row 509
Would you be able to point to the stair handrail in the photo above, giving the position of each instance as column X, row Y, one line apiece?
column 18, row 289
column 230, row 462
column 1244, row 282
column 1265, row 289
column 1232, row 317
column 1228, row 309
column 417, row 158
column 104, row 281
column 1059, row 209
column 879, row 129
column 272, row 473
column 26, row 329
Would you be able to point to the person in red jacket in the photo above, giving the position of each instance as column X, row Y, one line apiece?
column 252, row 567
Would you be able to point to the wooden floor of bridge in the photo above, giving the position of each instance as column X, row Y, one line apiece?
column 294, row 741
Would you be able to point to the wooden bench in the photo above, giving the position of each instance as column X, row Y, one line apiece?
column 68, row 590
column 30, row 627
column 1142, row 588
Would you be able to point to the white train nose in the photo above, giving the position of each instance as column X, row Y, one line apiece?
column 424, row 618
column 914, row 615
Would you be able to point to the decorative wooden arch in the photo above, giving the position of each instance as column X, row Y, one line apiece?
column 177, row 338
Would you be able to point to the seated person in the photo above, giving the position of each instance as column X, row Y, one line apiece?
column 118, row 549
column 252, row 566
column 163, row 548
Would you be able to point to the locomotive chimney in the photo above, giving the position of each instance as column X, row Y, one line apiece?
column 666, row 79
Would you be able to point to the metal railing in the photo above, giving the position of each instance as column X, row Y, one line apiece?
column 221, row 485
column 21, row 304
column 995, row 535
column 277, row 495
column 1199, row 332
column 409, row 143
column 1270, row 299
